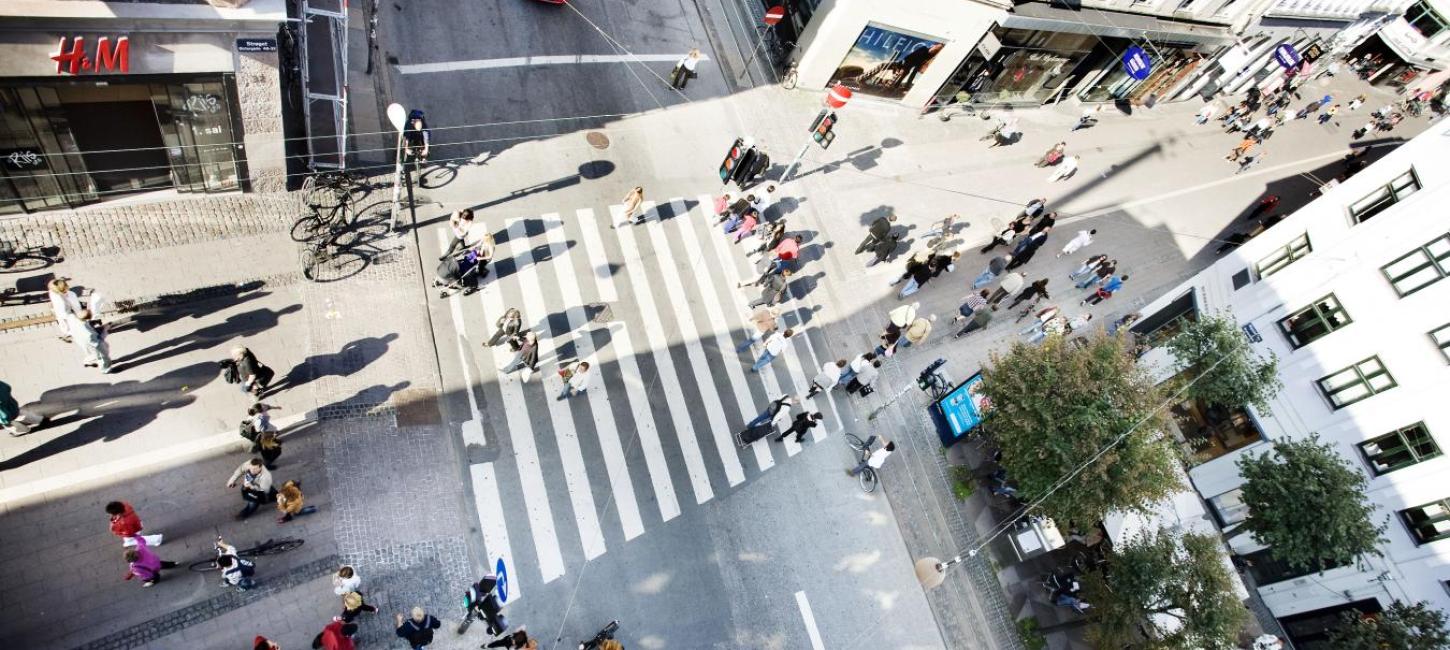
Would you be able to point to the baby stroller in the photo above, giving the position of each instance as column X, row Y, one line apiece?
column 460, row 273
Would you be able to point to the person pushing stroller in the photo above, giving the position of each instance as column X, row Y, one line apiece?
column 461, row 273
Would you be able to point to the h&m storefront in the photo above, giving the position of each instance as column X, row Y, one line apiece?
column 1041, row 53
column 88, row 115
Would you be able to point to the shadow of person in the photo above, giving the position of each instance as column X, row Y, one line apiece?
column 353, row 356
column 197, row 303
column 109, row 411
column 237, row 325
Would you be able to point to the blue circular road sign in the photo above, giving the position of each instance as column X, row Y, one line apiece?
column 1136, row 63
column 503, row 581
column 1287, row 57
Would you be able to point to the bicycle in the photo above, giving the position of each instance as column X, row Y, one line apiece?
column 330, row 189
column 269, row 547
column 316, row 254
column 16, row 259
column 867, row 477
column 604, row 635
column 789, row 80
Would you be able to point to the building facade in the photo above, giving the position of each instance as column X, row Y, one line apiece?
column 1352, row 294
column 102, row 99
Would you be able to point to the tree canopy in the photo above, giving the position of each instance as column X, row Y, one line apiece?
column 1308, row 505
column 1401, row 626
column 1214, row 360
column 1055, row 405
column 1163, row 590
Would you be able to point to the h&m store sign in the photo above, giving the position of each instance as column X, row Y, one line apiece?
column 106, row 54
column 116, row 54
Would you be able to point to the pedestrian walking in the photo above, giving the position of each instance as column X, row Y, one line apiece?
column 1100, row 274
column 290, row 502
column 237, row 571
column 1089, row 118
column 854, row 368
column 786, row 256
column 265, row 440
column 345, row 580
column 256, row 486
column 336, row 636
column 970, row 305
column 995, row 267
column 1328, row 114
column 1249, row 161
column 861, row 383
column 461, row 226
column 1206, row 113
column 774, row 346
column 802, row 424
column 764, row 198
column 1260, row 128
column 526, row 354
column 876, row 459
column 1047, row 221
column 1078, row 242
column 1011, row 284
column 63, row 303
column 980, row 319
column 1027, row 248
column 263, row 643
column 765, row 238
column 734, row 218
column 14, row 420
column 877, row 232
column 753, row 167
column 827, row 378
column 685, row 69
column 126, row 524
column 919, row 271
column 773, row 289
column 632, row 202
column 252, row 375
column 417, row 629
column 917, row 332
column 520, row 640
column 1065, row 169
column 1034, row 290
column 142, row 563
column 884, row 249
column 576, row 380
column 1243, row 147
column 1033, row 208
column 1087, row 268
column 1053, row 155
column 506, row 327
column 90, row 337
column 771, row 411
column 1357, row 102
column 1105, row 291
column 353, row 606
column 746, row 227
column 763, row 320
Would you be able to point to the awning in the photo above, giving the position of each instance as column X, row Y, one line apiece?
column 1078, row 20
column 1400, row 44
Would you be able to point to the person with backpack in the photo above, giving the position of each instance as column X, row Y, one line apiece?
column 237, row 571
column 418, row 629
column 256, row 483
column 416, row 139
column 243, row 368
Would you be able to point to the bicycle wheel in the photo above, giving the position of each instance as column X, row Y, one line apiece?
column 310, row 258
column 204, row 566
column 855, row 442
column 26, row 262
column 274, row 549
column 867, row 477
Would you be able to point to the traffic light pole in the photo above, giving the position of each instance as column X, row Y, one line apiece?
column 786, row 176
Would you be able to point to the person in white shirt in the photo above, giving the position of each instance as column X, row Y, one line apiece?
column 578, row 381
column 827, row 378
column 684, row 69
column 63, row 302
column 460, row 224
column 764, row 199
column 1065, row 170
column 1083, row 238
column 774, row 345
column 877, row 457
column 346, row 580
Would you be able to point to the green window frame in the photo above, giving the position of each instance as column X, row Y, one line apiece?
column 1425, row 20
column 1441, row 337
column 1421, row 267
column 1355, row 383
column 1314, row 322
column 1385, row 196
column 1429, row 522
column 1280, row 258
column 1399, row 449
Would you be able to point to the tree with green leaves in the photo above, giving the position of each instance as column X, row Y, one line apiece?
column 1164, row 590
column 1308, row 505
column 1214, row 360
column 1056, row 406
column 1402, row 627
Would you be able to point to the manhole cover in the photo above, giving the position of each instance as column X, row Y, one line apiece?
column 597, row 140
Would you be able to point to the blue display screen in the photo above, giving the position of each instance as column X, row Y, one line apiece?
column 962, row 408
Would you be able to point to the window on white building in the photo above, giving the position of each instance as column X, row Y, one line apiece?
column 1314, row 322
column 1357, row 382
column 1399, row 449
column 1382, row 198
column 1428, row 523
column 1282, row 257
column 1425, row 19
column 1229, row 507
column 1421, row 267
column 1441, row 337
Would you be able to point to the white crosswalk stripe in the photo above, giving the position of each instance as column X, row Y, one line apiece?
column 677, row 321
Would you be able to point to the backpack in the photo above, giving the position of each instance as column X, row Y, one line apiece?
column 246, row 430
column 229, row 372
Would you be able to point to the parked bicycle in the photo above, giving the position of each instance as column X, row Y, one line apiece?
column 328, row 189
column 867, row 477
column 16, row 259
column 604, row 635
column 269, row 547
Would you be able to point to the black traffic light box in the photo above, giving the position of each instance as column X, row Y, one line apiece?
column 732, row 160
column 823, row 128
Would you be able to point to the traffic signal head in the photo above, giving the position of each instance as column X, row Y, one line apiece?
column 732, row 158
column 822, row 131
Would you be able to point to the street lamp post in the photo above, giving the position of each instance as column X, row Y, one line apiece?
column 398, row 117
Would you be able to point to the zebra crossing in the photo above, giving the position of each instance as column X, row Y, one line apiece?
column 656, row 311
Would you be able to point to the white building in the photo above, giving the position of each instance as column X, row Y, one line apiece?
column 1351, row 293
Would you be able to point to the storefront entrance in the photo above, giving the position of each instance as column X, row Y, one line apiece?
column 68, row 143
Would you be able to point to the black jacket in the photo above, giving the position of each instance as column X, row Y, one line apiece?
column 416, row 633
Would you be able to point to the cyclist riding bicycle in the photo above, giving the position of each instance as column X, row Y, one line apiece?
column 876, row 458
column 480, row 600
column 416, row 139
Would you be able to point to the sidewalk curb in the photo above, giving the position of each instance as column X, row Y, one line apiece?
column 25, row 493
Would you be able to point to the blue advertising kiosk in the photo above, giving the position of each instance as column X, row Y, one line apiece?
column 959, row 411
